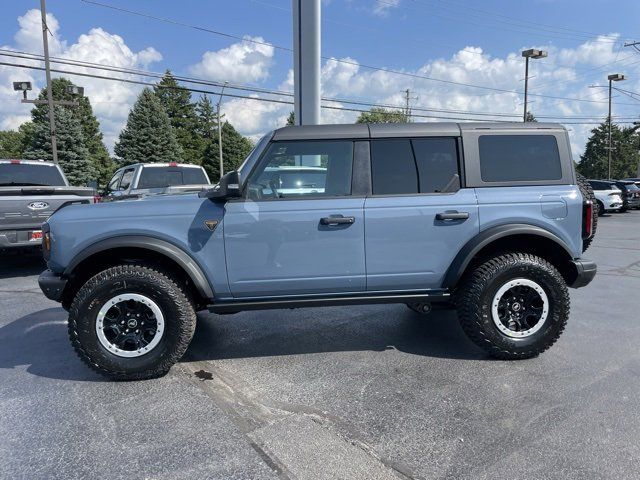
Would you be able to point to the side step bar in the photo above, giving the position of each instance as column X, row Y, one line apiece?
column 235, row 306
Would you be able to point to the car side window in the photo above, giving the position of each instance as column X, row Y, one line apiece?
column 393, row 168
column 127, row 176
column 113, row 183
column 291, row 169
column 437, row 160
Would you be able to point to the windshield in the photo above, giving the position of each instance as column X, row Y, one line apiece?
column 29, row 174
column 161, row 177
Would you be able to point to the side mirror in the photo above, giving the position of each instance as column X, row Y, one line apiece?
column 228, row 187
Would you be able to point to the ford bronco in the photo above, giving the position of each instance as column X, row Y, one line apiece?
column 490, row 219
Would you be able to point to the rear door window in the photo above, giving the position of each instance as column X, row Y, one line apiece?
column 519, row 158
column 437, row 160
column 393, row 167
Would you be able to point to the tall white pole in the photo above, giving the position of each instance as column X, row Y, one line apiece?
column 47, row 68
column 220, row 131
column 306, row 61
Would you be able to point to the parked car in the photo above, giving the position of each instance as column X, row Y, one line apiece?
column 634, row 180
column 608, row 196
column 30, row 191
column 630, row 194
column 142, row 179
column 489, row 219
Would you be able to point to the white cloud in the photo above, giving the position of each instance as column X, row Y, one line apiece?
column 246, row 61
column 382, row 7
column 111, row 100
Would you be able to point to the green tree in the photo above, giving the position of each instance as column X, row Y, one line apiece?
column 207, row 121
column 83, row 112
column 594, row 162
column 382, row 115
column 148, row 135
column 11, row 144
column 530, row 117
column 182, row 114
column 73, row 155
column 235, row 148
column 291, row 119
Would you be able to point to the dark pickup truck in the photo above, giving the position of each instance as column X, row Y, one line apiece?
column 30, row 191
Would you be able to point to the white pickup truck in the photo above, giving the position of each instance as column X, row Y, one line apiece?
column 143, row 179
column 30, row 191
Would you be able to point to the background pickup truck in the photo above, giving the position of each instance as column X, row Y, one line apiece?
column 142, row 179
column 30, row 191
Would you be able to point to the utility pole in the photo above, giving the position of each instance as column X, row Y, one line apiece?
column 616, row 77
column 220, row 131
column 45, row 44
column 635, row 45
column 407, row 100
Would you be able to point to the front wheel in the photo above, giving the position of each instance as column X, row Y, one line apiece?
column 513, row 306
column 131, row 322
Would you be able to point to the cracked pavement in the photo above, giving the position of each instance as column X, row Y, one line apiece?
column 371, row 392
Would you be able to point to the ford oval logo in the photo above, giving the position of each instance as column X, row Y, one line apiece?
column 38, row 205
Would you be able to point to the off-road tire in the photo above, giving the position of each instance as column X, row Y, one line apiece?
column 587, row 193
column 177, row 309
column 478, row 288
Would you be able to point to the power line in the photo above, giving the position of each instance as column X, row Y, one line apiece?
column 343, row 61
column 271, row 100
column 100, row 66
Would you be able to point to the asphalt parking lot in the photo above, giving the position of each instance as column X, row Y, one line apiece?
column 345, row 392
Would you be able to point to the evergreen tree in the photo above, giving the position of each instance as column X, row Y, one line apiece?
column 11, row 144
column 235, row 149
column 382, row 115
column 83, row 112
column 73, row 155
column 148, row 135
column 530, row 117
column 182, row 114
column 291, row 119
column 207, row 122
column 594, row 162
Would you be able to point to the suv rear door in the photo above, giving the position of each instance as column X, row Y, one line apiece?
column 418, row 216
column 281, row 240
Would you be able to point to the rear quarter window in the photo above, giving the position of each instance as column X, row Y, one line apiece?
column 519, row 158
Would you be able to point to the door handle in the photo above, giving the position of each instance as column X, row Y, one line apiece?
column 452, row 216
column 335, row 220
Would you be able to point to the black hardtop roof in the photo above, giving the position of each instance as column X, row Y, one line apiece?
column 387, row 130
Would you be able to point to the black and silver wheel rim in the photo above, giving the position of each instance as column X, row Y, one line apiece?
column 520, row 308
column 130, row 325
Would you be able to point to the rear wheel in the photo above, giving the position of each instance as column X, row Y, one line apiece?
column 601, row 210
column 513, row 306
column 587, row 194
column 131, row 322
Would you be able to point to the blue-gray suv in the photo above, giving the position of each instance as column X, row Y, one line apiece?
column 490, row 219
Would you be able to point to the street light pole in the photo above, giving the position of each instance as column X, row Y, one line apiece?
column 527, row 54
column 220, row 131
column 616, row 77
column 45, row 44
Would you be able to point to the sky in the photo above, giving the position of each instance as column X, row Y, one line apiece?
column 455, row 56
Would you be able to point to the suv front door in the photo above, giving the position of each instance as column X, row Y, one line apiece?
column 418, row 217
column 298, row 230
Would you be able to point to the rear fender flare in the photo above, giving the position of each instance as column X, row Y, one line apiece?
column 485, row 238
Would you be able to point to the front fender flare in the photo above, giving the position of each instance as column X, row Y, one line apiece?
column 486, row 237
column 175, row 253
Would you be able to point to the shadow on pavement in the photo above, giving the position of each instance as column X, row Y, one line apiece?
column 39, row 341
column 21, row 263
column 294, row 332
